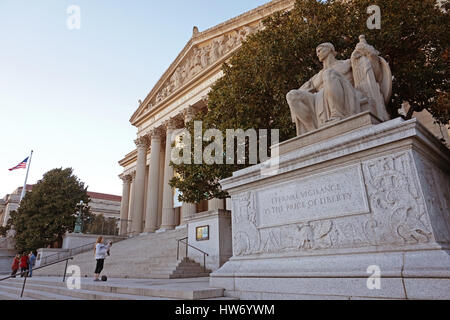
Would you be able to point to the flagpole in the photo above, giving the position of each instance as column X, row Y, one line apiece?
column 24, row 190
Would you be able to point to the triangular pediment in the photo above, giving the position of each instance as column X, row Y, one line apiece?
column 204, row 51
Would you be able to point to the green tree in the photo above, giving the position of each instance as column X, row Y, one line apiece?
column 102, row 226
column 49, row 210
column 414, row 39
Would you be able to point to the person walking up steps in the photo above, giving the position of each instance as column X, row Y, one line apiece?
column 23, row 265
column 100, row 252
column 15, row 265
column 31, row 263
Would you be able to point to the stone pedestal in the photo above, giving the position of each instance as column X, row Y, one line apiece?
column 218, row 246
column 341, row 211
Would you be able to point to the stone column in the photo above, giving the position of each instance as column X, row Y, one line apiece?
column 139, row 190
column 151, row 216
column 216, row 204
column 130, row 210
column 168, row 212
column 125, row 204
column 188, row 209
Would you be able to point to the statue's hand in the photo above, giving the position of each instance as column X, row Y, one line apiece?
column 364, row 49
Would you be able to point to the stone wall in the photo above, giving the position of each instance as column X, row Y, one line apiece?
column 377, row 196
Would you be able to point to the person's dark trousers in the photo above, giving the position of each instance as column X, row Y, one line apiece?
column 99, row 267
column 13, row 273
column 23, row 272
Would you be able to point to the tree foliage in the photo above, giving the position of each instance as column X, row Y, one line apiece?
column 100, row 225
column 414, row 39
column 49, row 210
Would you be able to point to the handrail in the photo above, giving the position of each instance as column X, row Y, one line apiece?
column 77, row 250
column 69, row 253
column 187, row 248
column 25, row 273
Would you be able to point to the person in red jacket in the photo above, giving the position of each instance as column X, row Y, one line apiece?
column 24, row 264
column 15, row 265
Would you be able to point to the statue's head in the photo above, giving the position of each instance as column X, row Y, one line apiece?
column 325, row 49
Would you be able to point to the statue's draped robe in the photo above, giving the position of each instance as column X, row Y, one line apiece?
column 311, row 105
column 361, row 84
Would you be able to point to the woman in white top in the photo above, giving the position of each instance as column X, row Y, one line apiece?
column 100, row 252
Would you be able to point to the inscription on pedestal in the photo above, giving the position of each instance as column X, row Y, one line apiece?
column 324, row 196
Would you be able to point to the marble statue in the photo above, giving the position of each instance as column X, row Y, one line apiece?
column 342, row 88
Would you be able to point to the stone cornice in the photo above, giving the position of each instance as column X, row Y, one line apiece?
column 129, row 158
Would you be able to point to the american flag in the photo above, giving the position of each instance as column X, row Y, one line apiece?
column 22, row 165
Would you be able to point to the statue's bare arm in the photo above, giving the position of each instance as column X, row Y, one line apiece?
column 311, row 85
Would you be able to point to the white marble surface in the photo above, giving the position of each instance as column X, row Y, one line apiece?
column 400, row 222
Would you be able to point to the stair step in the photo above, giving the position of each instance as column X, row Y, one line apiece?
column 62, row 293
column 189, row 276
column 104, row 291
column 10, row 296
column 32, row 294
column 198, row 267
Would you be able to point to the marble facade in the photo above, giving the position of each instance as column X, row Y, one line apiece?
column 148, row 204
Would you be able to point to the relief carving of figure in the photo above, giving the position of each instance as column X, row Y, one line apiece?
column 342, row 88
column 217, row 48
column 232, row 41
column 196, row 62
column 244, row 33
column 176, row 78
column 204, row 57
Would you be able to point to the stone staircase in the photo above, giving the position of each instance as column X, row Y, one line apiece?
column 6, row 259
column 186, row 268
column 150, row 256
column 46, row 288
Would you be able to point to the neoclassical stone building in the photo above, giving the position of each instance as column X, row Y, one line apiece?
column 148, row 201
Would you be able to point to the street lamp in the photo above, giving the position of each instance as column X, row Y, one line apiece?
column 79, row 221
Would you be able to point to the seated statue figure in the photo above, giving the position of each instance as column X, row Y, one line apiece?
column 342, row 88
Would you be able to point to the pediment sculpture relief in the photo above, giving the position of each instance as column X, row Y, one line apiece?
column 201, row 57
column 342, row 88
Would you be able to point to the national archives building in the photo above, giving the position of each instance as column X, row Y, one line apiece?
column 149, row 204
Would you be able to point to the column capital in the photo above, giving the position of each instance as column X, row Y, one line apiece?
column 155, row 134
column 189, row 114
column 174, row 123
column 141, row 142
column 126, row 178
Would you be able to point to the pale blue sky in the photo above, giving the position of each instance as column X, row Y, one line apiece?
column 69, row 94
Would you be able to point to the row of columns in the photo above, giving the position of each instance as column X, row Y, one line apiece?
column 133, row 197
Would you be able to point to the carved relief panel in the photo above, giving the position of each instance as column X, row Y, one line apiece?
column 397, row 214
